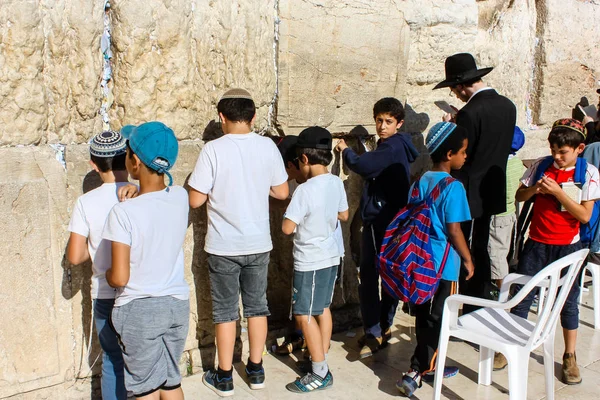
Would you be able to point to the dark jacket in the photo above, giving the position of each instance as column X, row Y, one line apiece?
column 592, row 133
column 386, row 171
column 489, row 119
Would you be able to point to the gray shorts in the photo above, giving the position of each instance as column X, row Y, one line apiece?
column 501, row 234
column 313, row 291
column 231, row 274
column 152, row 332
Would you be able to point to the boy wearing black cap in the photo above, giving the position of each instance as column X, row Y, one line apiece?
column 236, row 173
column 313, row 215
column 107, row 157
column 151, row 313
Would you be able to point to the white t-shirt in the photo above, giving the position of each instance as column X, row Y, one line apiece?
column 88, row 219
column 237, row 172
column 154, row 225
column 314, row 208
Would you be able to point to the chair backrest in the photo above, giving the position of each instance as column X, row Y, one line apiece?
column 558, row 278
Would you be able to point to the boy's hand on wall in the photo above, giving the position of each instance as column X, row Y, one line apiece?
column 127, row 192
column 341, row 146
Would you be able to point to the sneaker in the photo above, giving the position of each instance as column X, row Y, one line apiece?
column 570, row 369
column 449, row 372
column 310, row 382
column 223, row 386
column 290, row 344
column 409, row 383
column 500, row 362
column 371, row 346
column 256, row 378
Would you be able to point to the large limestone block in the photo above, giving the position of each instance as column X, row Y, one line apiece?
column 174, row 59
column 336, row 59
column 567, row 59
column 23, row 110
column 73, row 68
column 36, row 337
column 50, row 67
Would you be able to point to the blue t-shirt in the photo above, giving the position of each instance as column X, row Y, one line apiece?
column 451, row 206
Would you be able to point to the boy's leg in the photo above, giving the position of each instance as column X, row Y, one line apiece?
column 224, row 275
column 253, row 284
column 368, row 289
column 113, row 367
column 534, row 258
column 174, row 340
column 325, row 321
column 312, row 334
column 326, row 327
column 501, row 228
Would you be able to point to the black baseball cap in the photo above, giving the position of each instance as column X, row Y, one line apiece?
column 287, row 147
column 314, row 137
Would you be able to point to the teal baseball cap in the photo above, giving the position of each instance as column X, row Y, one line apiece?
column 155, row 145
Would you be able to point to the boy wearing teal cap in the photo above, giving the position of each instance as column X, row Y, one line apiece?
column 151, row 313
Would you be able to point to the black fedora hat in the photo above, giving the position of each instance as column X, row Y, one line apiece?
column 461, row 68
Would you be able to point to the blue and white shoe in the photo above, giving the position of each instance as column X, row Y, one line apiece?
column 409, row 383
column 449, row 372
column 310, row 383
column 221, row 385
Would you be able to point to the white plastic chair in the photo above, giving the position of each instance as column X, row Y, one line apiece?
column 495, row 329
column 595, row 271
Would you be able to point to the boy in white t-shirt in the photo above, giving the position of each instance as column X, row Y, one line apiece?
column 107, row 157
column 313, row 215
column 236, row 173
column 151, row 313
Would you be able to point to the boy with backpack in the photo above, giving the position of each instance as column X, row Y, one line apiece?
column 151, row 313
column 442, row 199
column 386, row 171
column 313, row 215
column 236, row 173
column 558, row 215
column 107, row 157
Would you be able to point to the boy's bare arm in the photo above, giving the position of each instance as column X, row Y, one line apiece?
column 77, row 250
column 118, row 275
column 582, row 212
column 280, row 192
column 197, row 198
column 288, row 226
column 525, row 193
column 343, row 216
column 457, row 239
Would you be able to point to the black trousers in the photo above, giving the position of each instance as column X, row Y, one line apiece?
column 428, row 323
column 477, row 235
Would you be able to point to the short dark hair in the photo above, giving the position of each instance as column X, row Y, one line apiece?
column 105, row 164
column 237, row 110
column 565, row 137
column 315, row 156
column 453, row 143
column 389, row 105
column 131, row 153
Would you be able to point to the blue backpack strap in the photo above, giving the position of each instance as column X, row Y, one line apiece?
column 542, row 167
column 580, row 170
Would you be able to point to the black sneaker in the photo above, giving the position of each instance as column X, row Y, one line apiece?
column 256, row 378
column 310, row 382
column 221, row 385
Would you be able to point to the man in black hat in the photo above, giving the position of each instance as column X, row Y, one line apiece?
column 489, row 119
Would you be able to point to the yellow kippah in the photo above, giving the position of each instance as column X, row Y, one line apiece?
column 237, row 93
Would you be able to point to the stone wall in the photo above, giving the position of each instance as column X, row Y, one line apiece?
column 306, row 62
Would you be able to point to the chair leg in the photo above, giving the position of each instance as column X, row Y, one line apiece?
column 541, row 298
column 486, row 365
column 581, row 287
column 440, row 364
column 549, row 366
column 518, row 366
column 595, row 270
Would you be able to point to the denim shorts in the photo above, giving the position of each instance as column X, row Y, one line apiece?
column 230, row 275
column 152, row 333
column 313, row 291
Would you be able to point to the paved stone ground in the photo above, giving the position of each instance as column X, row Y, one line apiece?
column 375, row 377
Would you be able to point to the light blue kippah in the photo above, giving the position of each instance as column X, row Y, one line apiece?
column 437, row 134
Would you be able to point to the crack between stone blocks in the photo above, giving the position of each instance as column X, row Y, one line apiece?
column 272, row 122
column 539, row 61
column 106, row 78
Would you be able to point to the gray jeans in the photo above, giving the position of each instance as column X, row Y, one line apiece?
column 231, row 274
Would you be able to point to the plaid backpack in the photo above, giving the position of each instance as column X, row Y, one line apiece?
column 405, row 260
